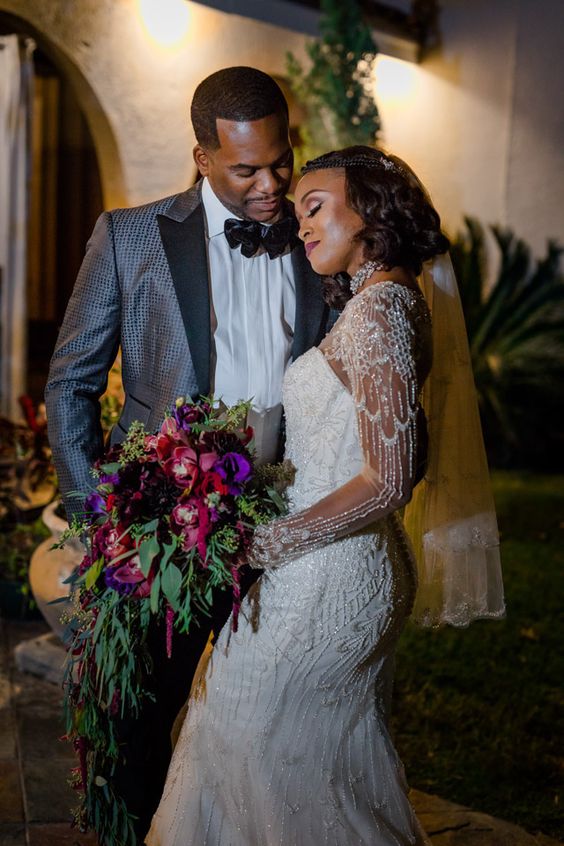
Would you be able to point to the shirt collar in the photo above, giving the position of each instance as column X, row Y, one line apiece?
column 216, row 213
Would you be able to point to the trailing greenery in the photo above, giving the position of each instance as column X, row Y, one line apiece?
column 516, row 333
column 478, row 712
column 336, row 90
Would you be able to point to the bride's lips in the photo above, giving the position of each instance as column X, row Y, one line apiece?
column 311, row 246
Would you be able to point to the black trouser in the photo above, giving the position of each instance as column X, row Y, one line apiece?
column 145, row 741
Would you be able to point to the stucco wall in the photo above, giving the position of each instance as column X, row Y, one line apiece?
column 136, row 93
column 482, row 121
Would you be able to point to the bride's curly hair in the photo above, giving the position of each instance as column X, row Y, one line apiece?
column 401, row 226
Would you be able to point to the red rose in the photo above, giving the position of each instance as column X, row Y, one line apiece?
column 213, row 483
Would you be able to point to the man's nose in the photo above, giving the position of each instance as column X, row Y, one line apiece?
column 268, row 181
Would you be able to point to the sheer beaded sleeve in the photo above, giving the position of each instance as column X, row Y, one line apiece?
column 380, row 349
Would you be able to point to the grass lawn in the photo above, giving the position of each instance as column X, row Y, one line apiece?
column 478, row 716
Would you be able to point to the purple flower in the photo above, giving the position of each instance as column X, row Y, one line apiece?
column 235, row 469
column 116, row 584
column 108, row 479
column 189, row 413
column 95, row 503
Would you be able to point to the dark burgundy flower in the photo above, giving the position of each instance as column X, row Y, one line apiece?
column 85, row 563
column 187, row 414
column 159, row 491
column 110, row 541
column 111, row 456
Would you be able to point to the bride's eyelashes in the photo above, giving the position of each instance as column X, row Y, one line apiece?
column 312, row 212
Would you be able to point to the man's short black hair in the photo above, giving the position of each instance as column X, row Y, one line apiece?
column 238, row 94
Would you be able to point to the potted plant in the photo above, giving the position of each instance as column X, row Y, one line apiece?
column 17, row 542
column 27, row 483
column 50, row 568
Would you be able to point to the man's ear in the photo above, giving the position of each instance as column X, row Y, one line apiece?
column 201, row 159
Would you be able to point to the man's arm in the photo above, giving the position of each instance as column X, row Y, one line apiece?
column 84, row 353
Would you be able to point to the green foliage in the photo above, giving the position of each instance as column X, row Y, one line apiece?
column 336, row 90
column 478, row 712
column 17, row 544
column 133, row 446
column 516, row 334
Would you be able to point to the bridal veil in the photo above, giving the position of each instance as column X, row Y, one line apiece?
column 451, row 517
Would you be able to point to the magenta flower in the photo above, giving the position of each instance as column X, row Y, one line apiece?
column 191, row 521
column 127, row 578
column 207, row 460
column 168, row 439
column 182, row 466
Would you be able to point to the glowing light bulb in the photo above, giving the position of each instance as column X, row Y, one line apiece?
column 165, row 21
column 394, row 79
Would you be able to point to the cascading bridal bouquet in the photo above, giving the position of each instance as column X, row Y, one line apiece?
column 171, row 518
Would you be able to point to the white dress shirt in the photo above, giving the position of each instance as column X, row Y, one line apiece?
column 253, row 314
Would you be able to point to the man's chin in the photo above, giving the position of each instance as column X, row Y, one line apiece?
column 264, row 212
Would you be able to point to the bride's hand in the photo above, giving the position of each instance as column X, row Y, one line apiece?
column 263, row 553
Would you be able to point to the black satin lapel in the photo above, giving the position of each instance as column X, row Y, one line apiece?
column 185, row 248
column 311, row 309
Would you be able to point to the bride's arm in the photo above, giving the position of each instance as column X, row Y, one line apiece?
column 373, row 353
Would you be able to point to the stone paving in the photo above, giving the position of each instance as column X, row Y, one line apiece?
column 34, row 764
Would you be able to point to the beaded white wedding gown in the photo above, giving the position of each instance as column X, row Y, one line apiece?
column 286, row 741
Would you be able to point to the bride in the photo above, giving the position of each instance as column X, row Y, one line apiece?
column 286, row 740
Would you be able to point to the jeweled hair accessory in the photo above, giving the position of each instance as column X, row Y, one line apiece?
column 327, row 161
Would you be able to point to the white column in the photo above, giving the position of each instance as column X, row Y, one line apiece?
column 16, row 89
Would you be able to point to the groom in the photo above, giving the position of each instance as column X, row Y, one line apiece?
column 207, row 291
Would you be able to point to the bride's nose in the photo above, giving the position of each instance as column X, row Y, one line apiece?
column 305, row 229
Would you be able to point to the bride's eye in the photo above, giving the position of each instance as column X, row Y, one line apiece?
column 312, row 212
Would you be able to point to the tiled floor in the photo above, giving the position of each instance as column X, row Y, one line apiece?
column 34, row 763
column 34, row 766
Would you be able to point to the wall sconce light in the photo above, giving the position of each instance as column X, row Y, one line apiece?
column 394, row 79
column 165, row 21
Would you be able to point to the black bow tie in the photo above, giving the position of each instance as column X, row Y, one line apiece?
column 251, row 234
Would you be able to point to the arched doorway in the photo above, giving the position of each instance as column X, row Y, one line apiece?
column 65, row 198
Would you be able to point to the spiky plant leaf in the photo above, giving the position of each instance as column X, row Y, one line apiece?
column 516, row 334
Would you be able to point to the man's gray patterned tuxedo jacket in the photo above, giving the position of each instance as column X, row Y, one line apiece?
column 144, row 285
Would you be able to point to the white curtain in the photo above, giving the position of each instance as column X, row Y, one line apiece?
column 16, row 95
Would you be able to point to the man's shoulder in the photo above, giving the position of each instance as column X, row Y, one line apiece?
column 180, row 204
